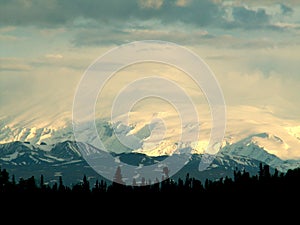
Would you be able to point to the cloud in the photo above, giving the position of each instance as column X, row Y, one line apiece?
column 285, row 9
column 52, row 32
column 5, row 34
column 54, row 56
column 13, row 64
column 9, row 38
column 7, row 29
column 91, row 37
column 287, row 25
column 260, row 90
column 257, row 15
column 154, row 4
column 64, row 12
column 116, row 14
column 281, row 61
column 255, row 3
column 245, row 17
column 232, row 42
column 250, row 16
column 182, row 3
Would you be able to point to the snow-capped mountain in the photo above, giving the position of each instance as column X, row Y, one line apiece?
column 109, row 133
column 34, row 135
column 273, row 141
column 252, row 148
column 65, row 159
column 22, row 153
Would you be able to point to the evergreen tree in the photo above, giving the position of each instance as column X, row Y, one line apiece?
column 42, row 185
column 4, row 178
column 96, row 188
column 85, row 184
column 61, row 186
column 103, row 186
column 166, row 172
column 276, row 173
column 54, row 187
column 118, row 176
column 180, row 185
column 267, row 173
column 134, row 182
column 187, row 183
column 155, row 186
column 266, row 183
column 13, row 180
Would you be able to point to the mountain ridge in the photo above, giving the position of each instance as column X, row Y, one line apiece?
column 66, row 159
column 107, row 131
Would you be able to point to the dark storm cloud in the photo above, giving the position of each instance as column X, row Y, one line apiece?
column 198, row 13
column 249, row 18
column 119, row 13
column 53, row 13
column 285, row 9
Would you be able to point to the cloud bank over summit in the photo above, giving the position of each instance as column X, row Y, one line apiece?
column 252, row 47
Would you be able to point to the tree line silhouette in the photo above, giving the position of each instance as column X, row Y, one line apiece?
column 241, row 183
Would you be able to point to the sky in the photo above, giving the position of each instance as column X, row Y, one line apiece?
column 252, row 46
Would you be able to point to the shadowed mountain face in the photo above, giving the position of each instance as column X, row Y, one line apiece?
column 65, row 159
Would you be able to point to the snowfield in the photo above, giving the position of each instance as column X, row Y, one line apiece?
column 156, row 134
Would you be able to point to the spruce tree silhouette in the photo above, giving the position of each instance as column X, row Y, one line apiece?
column 134, row 182
column 28, row 185
column 96, row 188
column 61, row 187
column 155, row 186
column 42, row 184
column 13, row 180
column 262, row 186
column 103, row 186
column 118, row 176
column 4, row 178
column 54, row 187
column 166, row 172
column 85, row 184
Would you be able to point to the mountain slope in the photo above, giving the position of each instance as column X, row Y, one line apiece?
column 248, row 147
column 64, row 159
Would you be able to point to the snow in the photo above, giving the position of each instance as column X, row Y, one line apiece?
column 140, row 166
column 199, row 147
column 242, row 152
column 46, row 134
column 46, row 160
column 117, row 159
column 213, row 166
column 71, row 162
column 253, row 125
column 10, row 157
column 58, row 174
column 74, row 149
column 250, row 149
column 32, row 133
column 45, row 148
column 55, row 158
column 34, row 159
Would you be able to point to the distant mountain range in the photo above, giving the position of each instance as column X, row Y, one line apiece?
column 64, row 159
column 52, row 151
